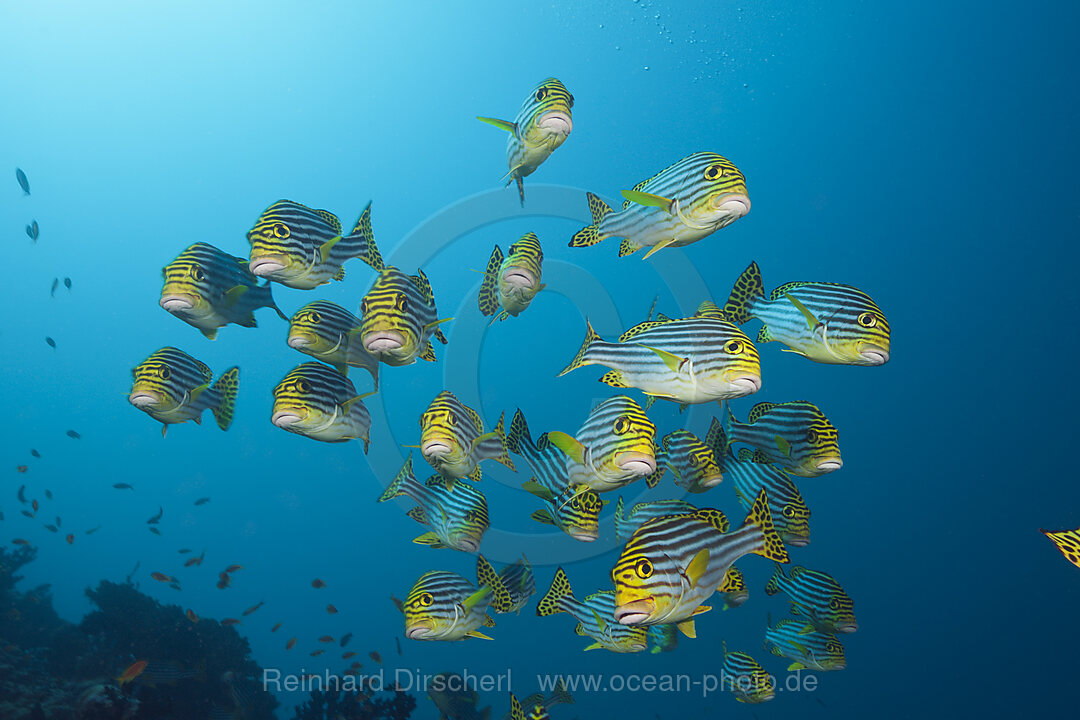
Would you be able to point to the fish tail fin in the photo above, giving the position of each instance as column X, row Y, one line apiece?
column 560, row 588
column 272, row 304
column 503, row 457
column 370, row 251
column 581, row 358
column 717, row 441
column 560, row 695
column 748, row 288
column 521, row 189
column 621, row 530
column 772, row 546
column 773, row 586
column 397, row 486
column 519, row 433
column 227, row 385
column 486, row 575
column 590, row 234
column 729, row 429
column 489, row 299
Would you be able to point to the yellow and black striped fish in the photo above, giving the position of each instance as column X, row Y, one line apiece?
column 744, row 678
column 826, row 322
column 318, row 402
column 539, row 704
column 809, row 650
column 796, row 436
column 575, row 512
column 445, row 606
column 537, row 711
column 662, row 638
column 330, row 333
column 457, row 513
column 816, row 597
column 453, row 440
column 512, row 282
column 595, row 615
column 399, row 318
column 542, row 124
column 691, row 461
column 733, row 592
column 301, row 247
column 173, row 387
column 615, row 447
column 672, row 565
column 1068, row 542
column 520, row 583
column 208, row 289
column 627, row 523
column 697, row 359
column 680, row 205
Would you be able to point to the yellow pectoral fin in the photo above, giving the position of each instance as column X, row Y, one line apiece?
column 477, row 634
column 673, row 361
column 594, row 646
column 811, row 321
column 783, row 446
column 326, row 247
column 476, row 597
column 501, row 124
column 697, row 567
column 648, row 199
column 658, row 246
column 194, row 395
column 569, row 446
column 687, row 628
column 796, row 666
column 233, row 295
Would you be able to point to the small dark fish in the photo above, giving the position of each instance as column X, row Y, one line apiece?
column 202, row 501
column 70, row 539
column 32, row 231
column 58, row 521
column 55, row 283
column 192, row 616
column 230, row 621
column 123, row 486
column 223, row 581
column 23, row 182
column 73, row 435
column 275, row 628
column 317, row 583
column 22, row 468
column 35, row 453
column 51, row 343
column 51, row 528
column 375, row 656
column 35, row 505
column 331, row 610
column 233, row 568
column 156, row 518
column 326, row 639
column 28, row 514
column 253, row 608
column 93, row 530
column 20, row 541
column 291, row 644
column 350, row 654
column 184, row 551
column 48, row 494
column 316, row 653
column 155, row 530
column 22, row 494
column 67, row 283
column 398, row 643
column 345, row 639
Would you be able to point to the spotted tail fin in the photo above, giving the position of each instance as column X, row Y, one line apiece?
column 519, row 433
column 581, row 359
column 486, row 576
column 370, row 253
column 227, row 385
column 489, row 298
column 748, row 289
column 590, row 234
column 401, row 481
column 773, row 586
column 560, row 588
column 772, row 546
column 622, row 532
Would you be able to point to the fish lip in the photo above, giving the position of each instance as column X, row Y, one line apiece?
column 176, row 303
column 830, row 464
column 383, row 341
column 286, row 418
column 417, row 632
column 636, row 612
column 636, row 462
column 143, row 399
column 265, row 265
column 300, row 341
column 434, row 448
column 874, row 354
column 711, row 481
column 519, row 278
column 557, row 121
column 734, row 205
column 797, row 540
column 468, row 546
column 847, row 627
column 585, row 537
column 753, row 382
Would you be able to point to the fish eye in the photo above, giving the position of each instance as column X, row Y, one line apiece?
column 571, row 100
column 733, row 347
column 622, row 425
column 364, row 306
column 714, row 172
column 644, row 568
column 834, row 648
column 427, row 599
column 198, row 274
column 541, row 94
column 789, row 511
column 867, row 320
column 303, row 386
column 315, row 317
column 166, row 373
column 281, row 230
column 402, row 303
column 834, row 604
column 811, row 436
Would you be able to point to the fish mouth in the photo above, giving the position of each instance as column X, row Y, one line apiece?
column 300, row 340
column 177, row 303
column 797, row 540
column 874, row 354
column 386, row 341
column 749, row 384
column 519, row 279
column 469, row 545
column 585, row 536
column 830, row 464
column 733, row 205
column 419, row 631
column 286, row 418
column 636, row 463
column 266, row 265
column 847, row 627
column 144, row 399
column 711, row 481
column 635, row 613
column 556, row 122
column 435, row 448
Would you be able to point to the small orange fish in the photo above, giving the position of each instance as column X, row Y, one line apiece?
column 234, row 568
column 133, row 671
column 230, row 621
column 291, row 644
column 348, row 655
column 35, row 505
column 253, row 608
column 326, row 638
column 275, row 628
column 331, row 609
column 316, row 653
column 375, row 656
column 70, row 539
column 317, row 583
column 20, row 541
column 22, row 468
column 162, row 577
column 356, row 665
column 192, row 616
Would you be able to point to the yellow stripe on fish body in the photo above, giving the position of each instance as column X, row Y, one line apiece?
column 457, row 513
column 208, row 289
column 790, row 514
column 693, row 360
column 399, row 318
column 680, row 205
column 445, row 606
column 453, row 440
column 671, row 565
column 614, row 447
column 318, row 402
column 330, row 333
column 511, row 283
column 542, row 124
column 595, row 615
column 745, row 678
column 173, row 387
column 796, row 436
column 815, row 597
column 825, row 322
column 809, row 649
column 574, row 511
column 301, row 247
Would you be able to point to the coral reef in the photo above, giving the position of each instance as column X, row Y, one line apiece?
column 329, row 705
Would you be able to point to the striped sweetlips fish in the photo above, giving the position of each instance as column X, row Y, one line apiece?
column 537, row 710
column 301, row 247
column 173, row 387
column 662, row 638
column 519, row 582
column 330, row 333
column 809, row 650
column 511, row 282
column 457, row 513
column 826, row 322
column 627, row 522
column 538, row 705
column 453, row 441
column 208, row 289
column 399, row 318
column 697, row 359
column 744, row 678
column 576, row 512
column 542, row 124
column 445, row 606
column 318, row 402
column 733, row 591
column 691, row 461
column 672, row 565
column 615, row 447
column 796, row 436
column 678, row 206
column 595, row 615
column 1067, row 543
column 817, row 598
